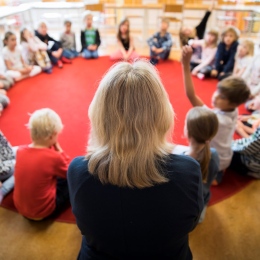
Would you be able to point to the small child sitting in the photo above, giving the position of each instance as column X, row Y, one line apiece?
column 226, row 52
column 35, row 51
column 6, row 81
column 125, row 43
column 246, row 156
column 55, row 50
column 68, row 41
column 231, row 92
column 201, row 125
column 41, row 187
column 244, row 57
column 90, row 39
column 160, row 43
column 202, row 67
column 16, row 67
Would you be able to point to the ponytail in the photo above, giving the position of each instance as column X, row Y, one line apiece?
column 204, row 162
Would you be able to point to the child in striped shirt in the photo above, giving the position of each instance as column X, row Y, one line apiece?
column 246, row 156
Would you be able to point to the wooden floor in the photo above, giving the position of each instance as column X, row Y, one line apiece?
column 231, row 230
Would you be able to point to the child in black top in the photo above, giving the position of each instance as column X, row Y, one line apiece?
column 226, row 52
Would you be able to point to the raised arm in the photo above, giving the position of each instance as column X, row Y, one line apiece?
column 188, row 84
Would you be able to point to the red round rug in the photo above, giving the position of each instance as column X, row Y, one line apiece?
column 69, row 92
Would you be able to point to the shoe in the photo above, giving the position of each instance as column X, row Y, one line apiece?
column 201, row 76
column 48, row 71
column 154, row 61
column 59, row 64
column 65, row 60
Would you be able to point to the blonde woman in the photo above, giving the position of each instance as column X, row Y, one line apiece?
column 132, row 198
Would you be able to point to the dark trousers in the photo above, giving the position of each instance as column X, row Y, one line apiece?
column 62, row 196
column 237, row 164
column 163, row 55
column 53, row 59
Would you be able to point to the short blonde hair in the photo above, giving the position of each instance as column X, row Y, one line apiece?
column 250, row 46
column 232, row 29
column 43, row 123
column 131, row 118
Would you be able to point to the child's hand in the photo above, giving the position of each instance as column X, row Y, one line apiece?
column 57, row 147
column 186, row 55
column 194, row 72
column 214, row 73
column 2, row 76
column 153, row 48
column 256, row 124
column 243, row 118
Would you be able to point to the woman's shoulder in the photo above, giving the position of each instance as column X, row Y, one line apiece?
column 78, row 163
column 182, row 163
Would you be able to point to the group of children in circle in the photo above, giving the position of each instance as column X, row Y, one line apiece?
column 209, row 131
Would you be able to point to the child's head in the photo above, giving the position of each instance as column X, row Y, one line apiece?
column 246, row 47
column 211, row 37
column 231, row 92
column 25, row 34
column 88, row 20
column 230, row 35
column 67, row 25
column 185, row 34
column 201, row 126
column 165, row 24
column 10, row 40
column 45, row 125
column 42, row 28
column 123, row 28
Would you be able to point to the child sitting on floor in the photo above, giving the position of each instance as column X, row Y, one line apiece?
column 68, row 41
column 6, row 81
column 41, row 187
column 226, row 52
column 90, row 39
column 55, row 50
column 201, row 125
column 125, row 42
column 246, row 156
column 160, row 43
column 16, row 67
column 202, row 67
column 35, row 51
column 230, row 93
column 245, row 53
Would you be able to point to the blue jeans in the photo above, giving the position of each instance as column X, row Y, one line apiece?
column 163, row 55
column 87, row 54
column 70, row 54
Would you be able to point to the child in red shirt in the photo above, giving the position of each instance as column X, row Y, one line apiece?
column 41, row 187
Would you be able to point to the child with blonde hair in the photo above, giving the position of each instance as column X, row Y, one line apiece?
column 160, row 43
column 231, row 92
column 40, row 172
column 245, row 53
column 201, row 126
column 90, row 39
column 203, row 66
column 35, row 51
column 226, row 53
column 125, row 43
column 15, row 64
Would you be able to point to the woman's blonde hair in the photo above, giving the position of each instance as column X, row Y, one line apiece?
column 131, row 117
column 250, row 46
column 43, row 123
column 202, row 126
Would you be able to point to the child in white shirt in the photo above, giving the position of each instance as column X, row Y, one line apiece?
column 12, row 54
column 230, row 93
column 244, row 57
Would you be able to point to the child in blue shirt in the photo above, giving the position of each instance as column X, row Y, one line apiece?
column 226, row 52
column 160, row 43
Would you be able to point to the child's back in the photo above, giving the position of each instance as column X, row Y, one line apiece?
column 36, row 173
